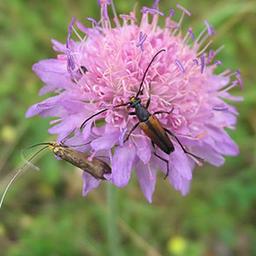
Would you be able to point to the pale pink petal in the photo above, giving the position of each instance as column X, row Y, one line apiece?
column 143, row 148
column 147, row 179
column 54, row 74
column 223, row 143
column 48, row 107
column 89, row 183
column 122, row 164
column 57, row 46
column 180, row 162
column 179, row 183
column 107, row 141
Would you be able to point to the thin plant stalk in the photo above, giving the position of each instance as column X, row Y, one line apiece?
column 112, row 228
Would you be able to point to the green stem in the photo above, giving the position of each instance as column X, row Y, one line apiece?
column 112, row 229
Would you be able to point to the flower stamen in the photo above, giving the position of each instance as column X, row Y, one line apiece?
column 180, row 66
column 202, row 59
column 70, row 59
column 184, row 10
column 196, row 61
column 77, row 34
column 200, row 36
column 192, row 36
column 220, row 108
column 142, row 39
column 171, row 12
column 210, row 29
column 205, row 48
column 239, row 78
column 234, row 84
column 218, row 62
column 151, row 11
column 93, row 21
column 116, row 20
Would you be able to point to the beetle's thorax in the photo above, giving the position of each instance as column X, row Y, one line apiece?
column 141, row 112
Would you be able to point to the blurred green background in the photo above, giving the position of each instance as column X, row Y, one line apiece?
column 44, row 212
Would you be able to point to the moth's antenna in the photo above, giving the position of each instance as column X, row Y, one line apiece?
column 8, row 186
column 40, row 144
column 19, row 171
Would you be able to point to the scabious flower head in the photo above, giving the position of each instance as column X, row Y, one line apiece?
column 104, row 66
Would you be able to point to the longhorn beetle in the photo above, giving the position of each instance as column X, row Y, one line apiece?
column 148, row 122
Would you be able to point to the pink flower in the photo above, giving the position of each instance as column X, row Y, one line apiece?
column 104, row 67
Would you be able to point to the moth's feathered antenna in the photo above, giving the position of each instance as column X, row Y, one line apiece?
column 22, row 169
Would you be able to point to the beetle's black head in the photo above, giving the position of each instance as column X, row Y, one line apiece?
column 134, row 101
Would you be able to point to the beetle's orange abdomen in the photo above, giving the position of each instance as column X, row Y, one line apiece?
column 154, row 130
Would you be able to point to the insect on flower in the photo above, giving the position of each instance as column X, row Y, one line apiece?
column 181, row 90
column 149, row 123
column 94, row 167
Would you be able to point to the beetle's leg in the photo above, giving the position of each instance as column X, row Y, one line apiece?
column 132, row 113
column 133, row 128
column 161, row 158
column 182, row 147
column 163, row 112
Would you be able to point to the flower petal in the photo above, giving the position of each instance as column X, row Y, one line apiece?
column 181, row 168
column 107, row 141
column 86, row 130
column 207, row 153
column 147, row 179
column 48, row 107
column 222, row 142
column 57, row 46
column 89, row 183
column 122, row 163
column 204, row 150
column 53, row 73
column 66, row 126
column 143, row 148
column 179, row 183
column 180, row 161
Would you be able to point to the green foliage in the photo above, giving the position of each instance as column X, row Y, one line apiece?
column 44, row 213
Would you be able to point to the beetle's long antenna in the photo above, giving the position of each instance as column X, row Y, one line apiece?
column 92, row 116
column 20, row 171
column 101, row 111
column 146, row 71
